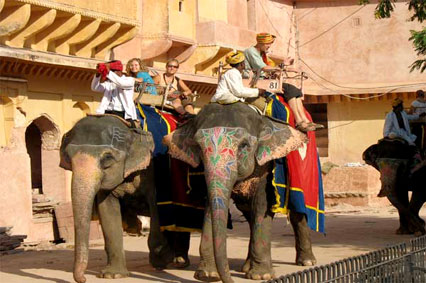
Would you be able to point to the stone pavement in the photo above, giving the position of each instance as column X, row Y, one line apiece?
column 350, row 231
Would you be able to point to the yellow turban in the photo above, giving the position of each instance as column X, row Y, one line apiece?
column 397, row 101
column 235, row 57
column 265, row 37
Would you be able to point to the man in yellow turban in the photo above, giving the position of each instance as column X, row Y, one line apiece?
column 230, row 88
column 396, row 123
column 257, row 60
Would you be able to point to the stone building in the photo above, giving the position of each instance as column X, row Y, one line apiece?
column 49, row 49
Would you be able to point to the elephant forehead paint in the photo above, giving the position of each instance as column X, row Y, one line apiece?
column 220, row 146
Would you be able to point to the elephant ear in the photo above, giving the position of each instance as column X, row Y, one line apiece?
column 182, row 145
column 65, row 161
column 139, row 152
column 276, row 140
column 370, row 155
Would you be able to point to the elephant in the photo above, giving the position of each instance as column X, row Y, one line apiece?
column 237, row 147
column 110, row 163
column 395, row 160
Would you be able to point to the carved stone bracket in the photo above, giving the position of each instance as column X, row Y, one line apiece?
column 59, row 28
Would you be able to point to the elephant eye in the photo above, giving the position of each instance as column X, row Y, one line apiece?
column 107, row 160
column 244, row 144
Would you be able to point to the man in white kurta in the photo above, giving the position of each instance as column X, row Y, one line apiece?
column 396, row 123
column 230, row 88
column 118, row 93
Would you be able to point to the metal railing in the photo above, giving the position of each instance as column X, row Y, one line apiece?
column 394, row 264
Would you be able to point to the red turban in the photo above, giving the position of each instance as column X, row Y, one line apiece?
column 116, row 66
column 113, row 66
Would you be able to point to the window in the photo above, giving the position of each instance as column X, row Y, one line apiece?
column 319, row 115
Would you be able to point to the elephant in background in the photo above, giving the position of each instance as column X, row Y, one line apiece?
column 236, row 146
column 110, row 161
column 395, row 160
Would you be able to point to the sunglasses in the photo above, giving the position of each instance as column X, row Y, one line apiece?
column 172, row 66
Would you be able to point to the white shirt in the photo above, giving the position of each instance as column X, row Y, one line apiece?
column 419, row 107
column 118, row 94
column 231, row 89
column 392, row 128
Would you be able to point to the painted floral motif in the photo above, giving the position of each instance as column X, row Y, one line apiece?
column 219, row 146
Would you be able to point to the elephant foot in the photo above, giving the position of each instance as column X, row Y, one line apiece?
column 111, row 272
column 403, row 231
column 181, row 262
column 246, row 266
column 159, row 259
column 257, row 271
column 256, row 274
column 306, row 260
column 207, row 276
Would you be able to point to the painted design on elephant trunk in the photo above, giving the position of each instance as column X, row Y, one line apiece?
column 220, row 146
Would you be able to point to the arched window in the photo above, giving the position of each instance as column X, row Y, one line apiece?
column 42, row 143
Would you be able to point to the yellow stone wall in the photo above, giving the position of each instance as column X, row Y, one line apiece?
column 64, row 101
column 213, row 11
column 182, row 23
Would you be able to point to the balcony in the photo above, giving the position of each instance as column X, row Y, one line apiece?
column 47, row 31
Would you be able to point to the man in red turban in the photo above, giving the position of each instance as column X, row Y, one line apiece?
column 117, row 89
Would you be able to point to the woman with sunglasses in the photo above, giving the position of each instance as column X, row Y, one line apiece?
column 178, row 91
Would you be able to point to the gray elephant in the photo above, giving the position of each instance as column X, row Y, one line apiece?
column 400, row 173
column 236, row 146
column 109, row 160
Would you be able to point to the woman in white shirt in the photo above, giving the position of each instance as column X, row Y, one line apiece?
column 117, row 89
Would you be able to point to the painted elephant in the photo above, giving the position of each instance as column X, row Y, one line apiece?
column 394, row 160
column 236, row 146
column 110, row 162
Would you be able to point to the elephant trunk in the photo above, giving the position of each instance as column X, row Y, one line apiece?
column 219, row 203
column 85, row 184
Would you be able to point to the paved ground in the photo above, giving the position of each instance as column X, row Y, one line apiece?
column 350, row 232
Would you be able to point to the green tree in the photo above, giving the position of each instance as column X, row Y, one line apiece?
column 384, row 9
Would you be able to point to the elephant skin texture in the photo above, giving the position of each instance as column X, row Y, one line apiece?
column 236, row 146
column 112, row 172
column 400, row 172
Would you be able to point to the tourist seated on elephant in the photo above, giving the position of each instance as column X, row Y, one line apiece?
column 396, row 123
column 117, row 89
column 418, row 128
column 230, row 88
column 178, row 92
column 136, row 68
column 418, row 106
column 256, row 59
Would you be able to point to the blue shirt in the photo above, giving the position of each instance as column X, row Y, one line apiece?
column 147, row 79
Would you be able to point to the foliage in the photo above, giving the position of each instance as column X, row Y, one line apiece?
column 384, row 9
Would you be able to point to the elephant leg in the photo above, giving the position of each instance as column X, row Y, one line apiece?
column 179, row 241
column 246, row 266
column 260, row 237
column 110, row 219
column 160, row 253
column 416, row 203
column 409, row 222
column 207, row 270
column 304, row 254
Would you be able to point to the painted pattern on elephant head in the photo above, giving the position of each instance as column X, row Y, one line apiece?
column 223, row 151
column 389, row 169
